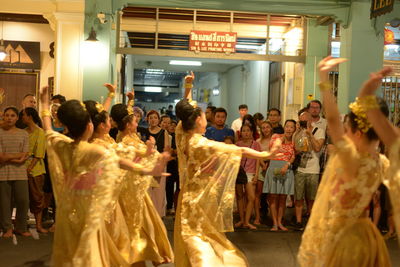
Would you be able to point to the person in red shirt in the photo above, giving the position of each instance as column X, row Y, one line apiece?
column 279, row 180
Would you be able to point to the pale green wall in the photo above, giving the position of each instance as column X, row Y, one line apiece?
column 99, row 67
column 364, row 50
column 362, row 45
column 317, row 48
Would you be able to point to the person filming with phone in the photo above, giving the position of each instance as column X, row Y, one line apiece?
column 309, row 140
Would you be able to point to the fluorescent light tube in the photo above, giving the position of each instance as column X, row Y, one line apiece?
column 152, row 89
column 185, row 63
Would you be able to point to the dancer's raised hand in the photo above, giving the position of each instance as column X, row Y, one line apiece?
column 188, row 86
column 373, row 83
column 189, row 78
column 130, row 95
column 44, row 95
column 111, row 94
column 112, row 88
column 328, row 64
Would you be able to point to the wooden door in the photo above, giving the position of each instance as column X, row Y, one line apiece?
column 16, row 86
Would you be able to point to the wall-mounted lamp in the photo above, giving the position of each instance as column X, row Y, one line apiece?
column 92, row 36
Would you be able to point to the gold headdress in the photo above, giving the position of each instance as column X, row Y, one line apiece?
column 83, row 106
column 99, row 107
column 360, row 108
column 193, row 103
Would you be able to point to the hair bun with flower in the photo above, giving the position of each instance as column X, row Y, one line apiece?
column 83, row 106
column 193, row 103
column 99, row 107
column 360, row 108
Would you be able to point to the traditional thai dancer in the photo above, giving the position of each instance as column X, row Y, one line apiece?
column 86, row 178
column 149, row 239
column 389, row 135
column 208, row 172
column 339, row 232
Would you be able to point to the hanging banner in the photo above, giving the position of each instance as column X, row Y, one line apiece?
column 209, row 41
column 21, row 55
column 380, row 7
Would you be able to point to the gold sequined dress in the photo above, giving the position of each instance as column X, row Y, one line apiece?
column 208, row 172
column 148, row 233
column 393, row 182
column 338, row 232
column 85, row 180
column 116, row 223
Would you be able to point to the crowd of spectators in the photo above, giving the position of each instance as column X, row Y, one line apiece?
column 264, row 189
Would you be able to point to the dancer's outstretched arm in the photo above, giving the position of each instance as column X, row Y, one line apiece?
column 111, row 94
column 158, row 169
column 384, row 129
column 188, row 86
column 331, row 110
column 262, row 155
column 45, row 108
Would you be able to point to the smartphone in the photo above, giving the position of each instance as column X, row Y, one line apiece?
column 303, row 124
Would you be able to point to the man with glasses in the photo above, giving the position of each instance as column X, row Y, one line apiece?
column 314, row 108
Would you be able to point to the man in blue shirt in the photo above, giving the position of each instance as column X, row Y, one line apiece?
column 219, row 130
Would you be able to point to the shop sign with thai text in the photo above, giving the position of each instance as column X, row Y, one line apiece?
column 380, row 7
column 209, row 41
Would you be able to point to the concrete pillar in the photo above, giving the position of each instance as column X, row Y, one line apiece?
column 363, row 48
column 68, row 66
column 316, row 49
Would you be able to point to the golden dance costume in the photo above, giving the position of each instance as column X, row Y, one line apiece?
column 145, row 225
column 338, row 232
column 393, row 182
column 208, row 172
column 146, row 231
column 85, row 180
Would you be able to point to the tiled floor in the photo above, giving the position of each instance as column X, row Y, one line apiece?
column 262, row 248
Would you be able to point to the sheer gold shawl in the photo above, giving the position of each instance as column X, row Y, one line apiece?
column 148, row 233
column 85, row 177
column 207, row 172
column 134, row 185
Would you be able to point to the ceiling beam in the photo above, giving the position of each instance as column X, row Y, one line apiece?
column 325, row 20
column 27, row 18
